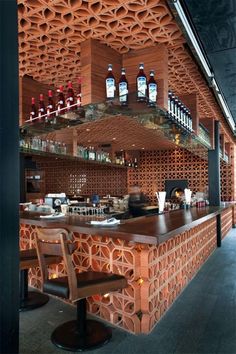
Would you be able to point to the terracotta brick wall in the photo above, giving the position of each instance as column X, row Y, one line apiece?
column 83, row 178
column 154, row 168
column 157, row 166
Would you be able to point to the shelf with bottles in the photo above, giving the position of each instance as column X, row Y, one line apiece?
column 107, row 161
column 179, row 113
column 35, row 143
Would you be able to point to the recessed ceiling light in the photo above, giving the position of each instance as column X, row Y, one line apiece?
column 89, row 141
column 121, row 149
column 87, row 130
column 143, row 148
column 113, row 138
column 133, row 144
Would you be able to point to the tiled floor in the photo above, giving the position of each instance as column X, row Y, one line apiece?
column 201, row 321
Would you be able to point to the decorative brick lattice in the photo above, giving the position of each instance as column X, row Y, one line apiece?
column 156, row 274
column 157, row 166
column 168, row 268
column 226, row 221
column 51, row 32
column 74, row 177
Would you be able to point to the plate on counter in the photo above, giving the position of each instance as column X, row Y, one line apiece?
column 109, row 222
column 52, row 216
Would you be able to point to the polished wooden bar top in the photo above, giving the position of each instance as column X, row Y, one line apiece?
column 150, row 229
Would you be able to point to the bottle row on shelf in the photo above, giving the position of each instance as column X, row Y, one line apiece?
column 53, row 109
column 36, row 143
column 178, row 112
column 119, row 158
column 86, row 153
column 146, row 89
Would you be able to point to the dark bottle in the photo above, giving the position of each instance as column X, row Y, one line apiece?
column 177, row 117
column 110, row 84
column 79, row 93
column 141, row 84
column 70, row 97
column 172, row 105
column 152, row 90
column 42, row 109
column 33, row 112
column 61, row 101
column 50, row 106
column 123, row 89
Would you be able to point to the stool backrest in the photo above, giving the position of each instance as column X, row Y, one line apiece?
column 58, row 243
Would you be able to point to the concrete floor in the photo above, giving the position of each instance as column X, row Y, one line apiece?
column 201, row 321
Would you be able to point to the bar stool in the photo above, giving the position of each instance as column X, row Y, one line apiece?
column 80, row 334
column 30, row 300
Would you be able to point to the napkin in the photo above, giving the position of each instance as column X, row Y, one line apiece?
column 107, row 222
column 52, row 216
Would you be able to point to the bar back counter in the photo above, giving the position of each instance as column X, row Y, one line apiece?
column 158, row 255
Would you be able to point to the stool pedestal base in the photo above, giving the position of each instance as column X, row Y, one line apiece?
column 67, row 336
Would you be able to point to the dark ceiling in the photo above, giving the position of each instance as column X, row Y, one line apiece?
column 215, row 24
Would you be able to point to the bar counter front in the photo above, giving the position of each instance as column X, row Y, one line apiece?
column 158, row 255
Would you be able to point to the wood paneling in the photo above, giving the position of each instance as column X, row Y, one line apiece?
column 191, row 101
column 154, row 58
column 95, row 58
column 30, row 88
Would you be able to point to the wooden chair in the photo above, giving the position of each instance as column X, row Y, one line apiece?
column 30, row 300
column 80, row 334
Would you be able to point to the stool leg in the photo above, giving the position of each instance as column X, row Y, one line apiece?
column 81, row 334
column 81, row 317
column 23, row 284
column 29, row 300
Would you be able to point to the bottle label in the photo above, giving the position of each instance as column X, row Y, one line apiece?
column 123, row 91
column 141, row 85
column 152, row 90
column 110, row 88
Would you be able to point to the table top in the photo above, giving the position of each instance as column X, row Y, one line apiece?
column 150, row 229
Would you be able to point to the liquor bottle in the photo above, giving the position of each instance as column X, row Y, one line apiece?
column 169, row 103
column 123, row 89
column 42, row 109
column 79, row 93
column 172, row 105
column 70, row 97
column 177, row 117
column 61, row 101
column 182, row 115
column 110, row 84
column 152, row 90
column 50, row 106
column 33, row 112
column 141, row 84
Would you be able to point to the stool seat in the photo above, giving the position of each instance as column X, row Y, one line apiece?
column 30, row 300
column 88, row 284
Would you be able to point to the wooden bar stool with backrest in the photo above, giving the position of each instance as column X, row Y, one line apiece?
column 80, row 334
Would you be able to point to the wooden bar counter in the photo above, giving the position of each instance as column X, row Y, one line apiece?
column 159, row 255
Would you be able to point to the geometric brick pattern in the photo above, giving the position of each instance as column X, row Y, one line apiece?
column 157, row 166
column 75, row 178
column 226, row 221
column 156, row 274
column 51, row 32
